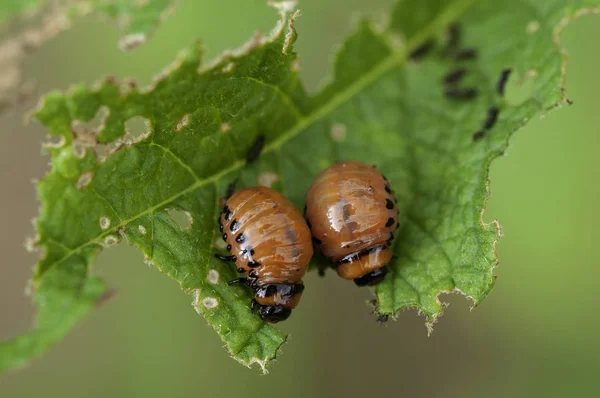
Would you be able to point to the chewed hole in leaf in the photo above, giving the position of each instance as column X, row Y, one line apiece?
column 210, row 302
column 183, row 122
column 213, row 277
column 104, row 223
column 87, row 131
column 56, row 141
column 183, row 219
column 338, row 132
column 519, row 89
column 110, row 240
column 103, row 151
column 267, row 179
column 533, row 26
column 225, row 127
column 84, row 179
column 138, row 128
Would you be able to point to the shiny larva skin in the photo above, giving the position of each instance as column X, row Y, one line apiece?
column 270, row 242
column 352, row 213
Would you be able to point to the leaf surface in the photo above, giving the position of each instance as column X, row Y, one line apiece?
column 153, row 170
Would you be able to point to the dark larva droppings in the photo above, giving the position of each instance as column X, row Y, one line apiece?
column 423, row 50
column 240, row 238
column 234, row 226
column 465, row 53
column 478, row 135
column 224, row 236
column 255, row 149
column 389, row 222
column 492, row 116
column 453, row 39
column 502, row 80
column 454, row 76
column 389, row 204
column 458, row 93
column 388, row 189
column 228, row 248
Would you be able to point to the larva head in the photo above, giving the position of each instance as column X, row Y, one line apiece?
column 366, row 268
column 287, row 295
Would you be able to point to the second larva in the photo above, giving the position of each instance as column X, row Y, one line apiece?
column 352, row 214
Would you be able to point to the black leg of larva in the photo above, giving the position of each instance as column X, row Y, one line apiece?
column 237, row 280
column 228, row 259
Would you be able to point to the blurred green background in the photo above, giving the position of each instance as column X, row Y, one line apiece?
column 535, row 335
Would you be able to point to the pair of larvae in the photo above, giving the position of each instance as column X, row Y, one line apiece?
column 350, row 215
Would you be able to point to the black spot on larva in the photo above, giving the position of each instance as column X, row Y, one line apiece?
column 389, row 204
column 502, row 80
column 252, row 252
column 422, row 50
column 454, row 76
column 252, row 273
column 224, row 236
column 228, row 248
column 221, row 227
column 397, row 225
column 225, row 209
column 240, row 238
column 478, row 135
column 253, row 264
column 228, row 215
column 241, row 270
column 255, row 149
column 388, row 189
column 390, row 239
column 234, row 258
column 460, row 93
column 465, row 53
column 389, row 222
column 234, row 226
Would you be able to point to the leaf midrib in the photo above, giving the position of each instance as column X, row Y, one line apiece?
column 397, row 58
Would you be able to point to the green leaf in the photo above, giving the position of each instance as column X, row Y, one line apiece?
column 159, row 188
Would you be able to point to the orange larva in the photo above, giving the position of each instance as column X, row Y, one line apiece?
column 352, row 214
column 269, row 241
